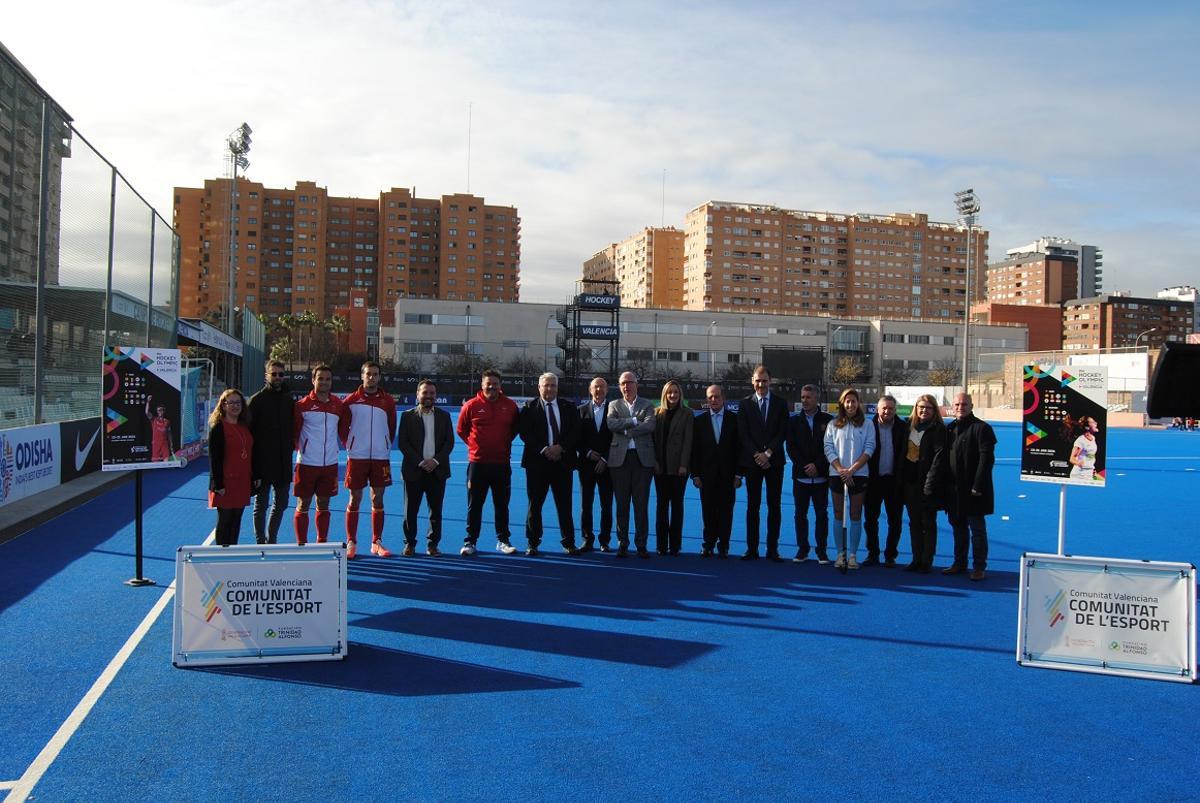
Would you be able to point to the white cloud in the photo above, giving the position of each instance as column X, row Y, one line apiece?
column 1081, row 127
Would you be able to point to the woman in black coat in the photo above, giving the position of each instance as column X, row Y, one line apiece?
column 673, row 427
column 924, row 480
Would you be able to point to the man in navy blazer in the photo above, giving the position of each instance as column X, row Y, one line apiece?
column 810, row 473
column 595, row 438
column 549, row 427
column 426, row 439
column 885, row 489
column 715, row 452
column 762, row 427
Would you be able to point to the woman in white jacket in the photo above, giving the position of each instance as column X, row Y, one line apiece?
column 849, row 444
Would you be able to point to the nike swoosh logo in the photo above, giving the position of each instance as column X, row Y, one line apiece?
column 81, row 455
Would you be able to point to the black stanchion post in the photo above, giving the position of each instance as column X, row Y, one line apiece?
column 138, row 580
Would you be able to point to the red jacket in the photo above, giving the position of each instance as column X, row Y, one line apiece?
column 368, row 424
column 488, row 428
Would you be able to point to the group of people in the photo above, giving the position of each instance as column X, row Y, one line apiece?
column 868, row 468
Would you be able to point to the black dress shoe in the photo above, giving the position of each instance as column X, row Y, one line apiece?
column 605, row 548
column 889, row 564
column 643, row 553
column 572, row 549
column 672, row 552
column 774, row 557
column 925, row 570
column 532, row 552
column 706, row 552
column 912, row 567
column 584, row 548
column 661, row 551
column 749, row 556
column 871, row 561
column 622, row 552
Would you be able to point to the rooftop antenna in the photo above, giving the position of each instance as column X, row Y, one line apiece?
column 662, row 221
column 469, row 105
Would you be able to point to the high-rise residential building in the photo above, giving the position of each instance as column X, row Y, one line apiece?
column 1033, row 278
column 648, row 267
column 1088, row 258
column 1116, row 320
column 303, row 249
column 1187, row 295
column 748, row 257
column 22, row 126
column 599, row 268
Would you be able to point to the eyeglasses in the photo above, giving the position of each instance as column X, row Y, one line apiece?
column 275, row 373
column 232, row 403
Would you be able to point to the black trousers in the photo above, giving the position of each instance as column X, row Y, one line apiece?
column 716, row 504
column 591, row 483
column 884, row 494
column 922, row 524
column 264, row 532
column 482, row 478
column 433, row 488
column 229, row 525
column 817, row 495
column 631, row 483
column 755, row 477
column 668, row 519
column 540, row 480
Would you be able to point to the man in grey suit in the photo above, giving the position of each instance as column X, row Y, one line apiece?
column 631, row 461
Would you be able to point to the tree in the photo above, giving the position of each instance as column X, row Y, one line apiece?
column 846, row 371
column 737, row 373
column 523, row 367
column 463, row 364
column 286, row 323
column 306, row 320
column 284, row 350
column 337, row 325
column 945, row 373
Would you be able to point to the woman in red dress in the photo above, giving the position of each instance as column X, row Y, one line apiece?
column 229, row 473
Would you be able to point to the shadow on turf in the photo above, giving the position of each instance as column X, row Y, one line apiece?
column 379, row 670
column 575, row 642
column 33, row 558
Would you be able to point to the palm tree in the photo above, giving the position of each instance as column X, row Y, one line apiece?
column 287, row 324
column 337, row 325
column 307, row 319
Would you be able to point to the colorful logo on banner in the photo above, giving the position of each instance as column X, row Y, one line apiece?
column 115, row 420
column 1064, row 421
column 7, row 465
column 209, row 601
column 1054, row 608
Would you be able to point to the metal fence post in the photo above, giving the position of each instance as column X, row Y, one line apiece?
column 39, row 310
column 112, row 239
column 150, row 289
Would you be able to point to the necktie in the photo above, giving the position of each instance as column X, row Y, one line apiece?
column 553, row 422
column 762, row 406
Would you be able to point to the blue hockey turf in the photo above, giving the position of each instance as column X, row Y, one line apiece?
column 587, row 677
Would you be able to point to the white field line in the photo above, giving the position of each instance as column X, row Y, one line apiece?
column 22, row 787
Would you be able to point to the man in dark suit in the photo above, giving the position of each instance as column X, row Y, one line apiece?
column 885, row 489
column 549, row 427
column 715, row 452
column 426, row 440
column 762, row 426
column 595, row 438
column 810, row 473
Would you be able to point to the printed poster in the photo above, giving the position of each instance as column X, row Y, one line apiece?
column 141, row 400
column 1065, row 424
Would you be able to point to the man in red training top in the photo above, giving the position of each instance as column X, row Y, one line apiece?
column 160, row 432
column 488, row 424
column 317, row 417
column 367, row 427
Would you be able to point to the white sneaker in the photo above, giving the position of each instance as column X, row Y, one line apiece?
column 467, row 549
column 505, row 548
column 840, row 562
column 853, row 562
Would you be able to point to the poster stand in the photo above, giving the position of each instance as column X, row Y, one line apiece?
column 138, row 580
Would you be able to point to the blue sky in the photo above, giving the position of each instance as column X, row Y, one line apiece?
column 1068, row 119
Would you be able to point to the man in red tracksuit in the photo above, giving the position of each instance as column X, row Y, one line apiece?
column 317, row 418
column 488, row 424
column 367, row 427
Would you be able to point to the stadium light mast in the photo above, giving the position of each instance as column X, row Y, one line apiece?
column 967, row 206
column 238, row 145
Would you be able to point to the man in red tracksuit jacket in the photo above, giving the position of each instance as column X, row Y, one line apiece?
column 367, row 427
column 316, row 420
column 488, row 424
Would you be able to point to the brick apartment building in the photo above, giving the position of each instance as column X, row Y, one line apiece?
column 648, row 265
column 1115, row 321
column 754, row 258
column 303, row 249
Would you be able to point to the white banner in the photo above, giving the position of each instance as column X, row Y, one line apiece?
column 1121, row 617
column 29, row 461
column 259, row 604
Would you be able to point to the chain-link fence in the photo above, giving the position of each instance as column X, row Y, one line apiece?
column 84, row 260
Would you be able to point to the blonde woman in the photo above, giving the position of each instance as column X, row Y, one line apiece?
column 849, row 444
column 230, row 479
column 672, row 454
column 925, row 474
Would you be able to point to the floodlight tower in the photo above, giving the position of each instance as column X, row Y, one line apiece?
column 238, row 145
column 968, row 207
